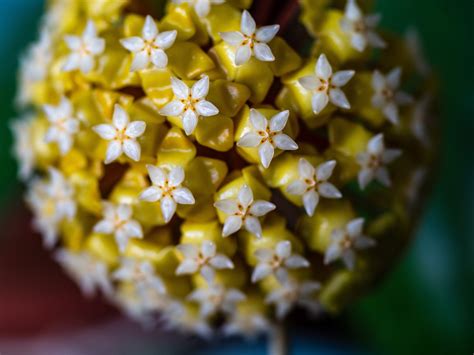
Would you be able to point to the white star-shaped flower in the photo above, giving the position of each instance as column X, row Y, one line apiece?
column 141, row 274
column 62, row 125
column 312, row 184
column 345, row 240
column 277, row 262
column 373, row 161
column 251, row 41
column 250, row 325
column 52, row 201
column 292, row 293
column 360, row 28
column 326, row 86
column 178, row 316
column 243, row 211
column 84, row 49
column 386, row 97
column 150, row 47
column 118, row 221
column 90, row 273
column 167, row 188
column 122, row 135
column 267, row 135
column 190, row 104
column 202, row 7
column 22, row 149
column 203, row 259
column 214, row 298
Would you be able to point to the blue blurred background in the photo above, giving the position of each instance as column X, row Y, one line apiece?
column 426, row 305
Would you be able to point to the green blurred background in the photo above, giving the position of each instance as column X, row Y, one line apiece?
column 426, row 305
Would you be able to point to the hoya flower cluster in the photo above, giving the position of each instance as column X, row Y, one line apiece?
column 194, row 167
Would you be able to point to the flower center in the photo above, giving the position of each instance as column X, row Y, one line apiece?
column 249, row 41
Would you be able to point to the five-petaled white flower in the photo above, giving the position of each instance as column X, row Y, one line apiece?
column 360, row 28
column 22, row 148
column 250, row 40
column 167, row 188
column 313, row 183
column 122, row 135
column 214, row 298
column 326, row 86
column 62, row 125
column 277, row 262
column 345, row 240
column 150, row 47
column 203, row 259
column 373, row 162
column 142, row 274
column 250, row 325
column 243, row 211
column 292, row 293
column 182, row 317
column 118, row 221
column 267, row 135
column 90, row 273
column 202, row 7
column 190, row 104
column 84, row 49
column 386, row 97
column 52, row 202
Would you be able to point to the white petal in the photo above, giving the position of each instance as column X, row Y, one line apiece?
column 261, row 271
column 104, row 227
column 372, row 20
column 252, row 224
column 359, row 41
column 166, row 39
column 278, row 122
column 228, row 206
column 376, row 145
column 72, row 62
column 323, row 68
column 266, row 33
column 393, row 78
column 306, row 169
column 247, row 24
column 183, row 196
column 140, row 61
column 208, row 273
column 263, row 52
column 120, row 117
column 259, row 122
column 319, row 101
column 190, row 251
column 180, row 89
column 233, row 38
column 86, row 64
column 297, row 187
column 365, row 176
column 114, row 150
column 284, row 142
column 124, row 211
column 187, row 266
column 201, row 88
column 133, row 229
column 208, row 249
column 382, row 176
column 73, row 42
column 96, row 46
column 342, row 77
column 283, row 249
column 249, row 140
column 133, row 44
column 338, row 98
column 157, row 175
column 378, row 81
column 354, row 227
column 352, row 11
column 375, row 40
column 190, row 121
column 242, row 55
column 390, row 155
column 135, row 129
column 363, row 242
column 159, row 58
column 296, row 262
column 90, row 30
column 325, row 170
column 391, row 112
column 202, row 7
column 309, row 82
column 328, row 190
column 149, row 30
column 245, row 195
column 231, row 225
column 65, row 144
column 310, row 201
column 174, row 108
column 221, row 262
column 151, row 194
column 265, row 152
column 260, row 208
column 348, row 256
column 264, row 255
column 206, row 108
column 332, row 253
column 132, row 149
column 168, row 208
column 176, row 176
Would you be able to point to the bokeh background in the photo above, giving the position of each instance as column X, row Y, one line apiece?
column 425, row 306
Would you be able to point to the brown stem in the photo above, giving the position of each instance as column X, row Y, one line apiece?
column 278, row 340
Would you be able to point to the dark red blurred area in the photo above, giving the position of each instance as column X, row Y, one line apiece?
column 35, row 295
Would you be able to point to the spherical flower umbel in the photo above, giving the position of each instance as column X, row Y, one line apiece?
column 326, row 85
column 250, row 41
column 203, row 170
